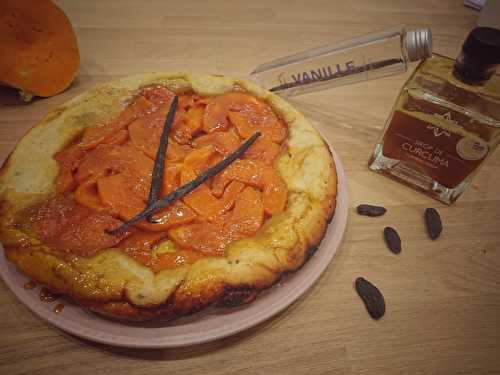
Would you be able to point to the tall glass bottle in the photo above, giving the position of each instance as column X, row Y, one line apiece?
column 446, row 121
column 371, row 56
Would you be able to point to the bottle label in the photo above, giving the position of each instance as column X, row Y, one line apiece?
column 443, row 155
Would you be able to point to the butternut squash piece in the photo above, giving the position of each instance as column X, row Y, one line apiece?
column 38, row 47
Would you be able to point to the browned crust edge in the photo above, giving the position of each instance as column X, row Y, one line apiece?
column 227, row 296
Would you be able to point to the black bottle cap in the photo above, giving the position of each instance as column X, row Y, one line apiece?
column 479, row 57
column 483, row 44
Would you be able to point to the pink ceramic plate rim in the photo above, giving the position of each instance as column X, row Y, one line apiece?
column 202, row 327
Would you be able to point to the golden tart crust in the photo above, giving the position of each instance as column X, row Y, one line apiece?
column 114, row 284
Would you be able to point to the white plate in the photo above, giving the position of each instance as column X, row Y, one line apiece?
column 201, row 327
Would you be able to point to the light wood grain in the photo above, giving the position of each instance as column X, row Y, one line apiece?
column 443, row 297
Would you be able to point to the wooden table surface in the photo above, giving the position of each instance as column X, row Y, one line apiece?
column 443, row 297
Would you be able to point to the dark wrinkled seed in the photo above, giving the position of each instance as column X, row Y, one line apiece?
column 369, row 210
column 392, row 239
column 433, row 222
column 372, row 298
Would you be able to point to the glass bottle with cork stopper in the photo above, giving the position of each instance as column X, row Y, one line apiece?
column 446, row 120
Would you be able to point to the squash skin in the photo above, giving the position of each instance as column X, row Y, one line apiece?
column 38, row 47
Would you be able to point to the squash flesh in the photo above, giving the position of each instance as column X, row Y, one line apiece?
column 38, row 47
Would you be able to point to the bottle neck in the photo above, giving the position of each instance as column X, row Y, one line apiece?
column 471, row 71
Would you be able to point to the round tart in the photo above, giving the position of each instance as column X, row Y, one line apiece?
column 86, row 168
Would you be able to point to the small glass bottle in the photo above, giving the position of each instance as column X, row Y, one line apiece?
column 446, row 120
column 371, row 56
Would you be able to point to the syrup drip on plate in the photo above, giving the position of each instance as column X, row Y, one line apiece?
column 47, row 296
column 29, row 285
column 58, row 308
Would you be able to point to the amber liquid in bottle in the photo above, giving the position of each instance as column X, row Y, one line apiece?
column 440, row 131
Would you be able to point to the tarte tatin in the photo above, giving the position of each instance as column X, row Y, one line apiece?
column 86, row 168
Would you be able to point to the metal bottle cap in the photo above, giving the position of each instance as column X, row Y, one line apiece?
column 418, row 43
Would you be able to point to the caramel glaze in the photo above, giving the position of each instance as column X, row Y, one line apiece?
column 47, row 296
column 29, row 285
column 58, row 308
